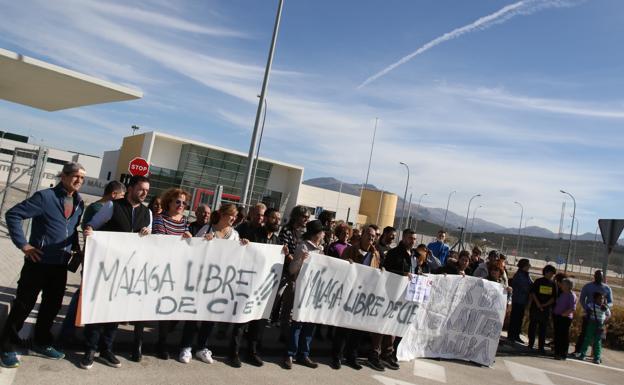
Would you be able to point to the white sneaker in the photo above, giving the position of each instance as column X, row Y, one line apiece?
column 205, row 355
column 185, row 355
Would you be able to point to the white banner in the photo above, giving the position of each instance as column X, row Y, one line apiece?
column 462, row 319
column 163, row 277
column 332, row 291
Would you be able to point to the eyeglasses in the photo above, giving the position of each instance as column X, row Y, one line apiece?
column 181, row 203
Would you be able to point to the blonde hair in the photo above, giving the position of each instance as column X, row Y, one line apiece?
column 226, row 209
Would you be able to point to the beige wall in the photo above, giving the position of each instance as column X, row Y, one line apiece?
column 378, row 204
column 131, row 147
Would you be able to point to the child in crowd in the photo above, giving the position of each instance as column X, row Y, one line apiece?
column 598, row 314
column 563, row 313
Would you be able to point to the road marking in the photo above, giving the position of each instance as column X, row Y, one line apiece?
column 390, row 381
column 596, row 366
column 530, row 375
column 429, row 370
column 524, row 373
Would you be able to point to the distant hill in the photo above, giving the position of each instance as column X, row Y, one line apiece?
column 435, row 216
column 334, row 184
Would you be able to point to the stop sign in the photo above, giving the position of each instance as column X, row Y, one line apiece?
column 138, row 166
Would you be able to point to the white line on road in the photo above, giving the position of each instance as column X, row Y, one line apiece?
column 527, row 374
column 390, row 381
column 524, row 373
column 596, row 366
column 429, row 370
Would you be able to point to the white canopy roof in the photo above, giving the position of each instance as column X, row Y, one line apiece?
column 46, row 86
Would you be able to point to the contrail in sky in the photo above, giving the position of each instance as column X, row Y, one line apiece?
column 524, row 7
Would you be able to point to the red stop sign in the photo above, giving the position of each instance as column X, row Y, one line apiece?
column 138, row 166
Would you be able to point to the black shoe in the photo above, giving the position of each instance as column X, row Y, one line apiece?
column 353, row 364
column 87, row 361
column 541, row 352
column 109, row 359
column 308, row 363
column 390, row 364
column 235, row 361
column 255, row 360
column 288, row 363
column 162, row 352
column 137, row 354
column 375, row 364
column 336, row 363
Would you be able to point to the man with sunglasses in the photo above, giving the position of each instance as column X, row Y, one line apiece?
column 248, row 228
column 126, row 215
column 55, row 214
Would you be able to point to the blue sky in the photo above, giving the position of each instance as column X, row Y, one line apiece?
column 515, row 109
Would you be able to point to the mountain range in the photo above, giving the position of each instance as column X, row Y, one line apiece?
column 436, row 215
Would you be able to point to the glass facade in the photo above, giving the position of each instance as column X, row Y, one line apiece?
column 205, row 168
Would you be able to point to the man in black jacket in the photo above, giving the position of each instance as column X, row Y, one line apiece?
column 399, row 260
column 264, row 234
column 127, row 215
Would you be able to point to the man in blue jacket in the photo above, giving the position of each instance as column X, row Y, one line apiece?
column 55, row 214
column 440, row 249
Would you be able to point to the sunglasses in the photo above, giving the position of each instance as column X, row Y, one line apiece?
column 181, row 202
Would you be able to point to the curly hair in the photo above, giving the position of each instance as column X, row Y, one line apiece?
column 171, row 195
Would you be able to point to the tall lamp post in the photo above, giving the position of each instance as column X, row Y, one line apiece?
column 405, row 196
column 519, row 228
column 255, row 168
column 265, row 84
column 565, row 270
column 524, row 234
column 467, row 214
column 474, row 214
column 448, row 202
column 416, row 213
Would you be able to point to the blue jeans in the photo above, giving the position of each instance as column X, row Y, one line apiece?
column 298, row 331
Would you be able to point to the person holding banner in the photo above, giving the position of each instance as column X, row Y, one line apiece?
column 113, row 190
column 267, row 234
column 221, row 227
column 55, row 214
column 256, row 219
column 301, row 333
column 127, row 215
column 290, row 235
column 171, row 222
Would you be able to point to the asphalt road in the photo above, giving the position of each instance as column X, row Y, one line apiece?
column 508, row 369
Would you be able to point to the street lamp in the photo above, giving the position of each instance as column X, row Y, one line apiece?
column 474, row 213
column 417, row 207
column 447, row 207
column 524, row 234
column 405, row 196
column 134, row 128
column 467, row 214
column 571, row 228
column 519, row 227
column 263, row 91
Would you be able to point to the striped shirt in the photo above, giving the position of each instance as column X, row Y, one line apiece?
column 164, row 224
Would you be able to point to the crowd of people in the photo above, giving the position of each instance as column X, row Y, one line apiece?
column 54, row 247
